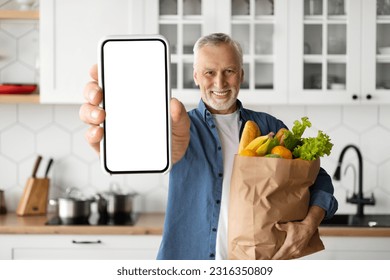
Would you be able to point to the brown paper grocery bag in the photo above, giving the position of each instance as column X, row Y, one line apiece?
column 263, row 192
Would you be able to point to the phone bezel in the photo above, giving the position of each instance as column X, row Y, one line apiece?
column 103, row 148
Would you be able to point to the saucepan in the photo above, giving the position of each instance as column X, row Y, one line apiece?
column 116, row 203
column 74, row 207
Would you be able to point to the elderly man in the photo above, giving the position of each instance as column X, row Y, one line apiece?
column 204, row 141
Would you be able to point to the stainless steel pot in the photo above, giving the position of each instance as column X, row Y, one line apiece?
column 119, row 204
column 73, row 208
column 116, row 204
column 70, row 208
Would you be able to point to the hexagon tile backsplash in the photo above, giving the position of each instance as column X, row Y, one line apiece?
column 56, row 131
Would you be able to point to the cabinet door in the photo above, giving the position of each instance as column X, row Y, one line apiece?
column 324, row 51
column 261, row 28
column 376, row 50
column 259, row 25
column 93, row 247
column 69, row 34
column 182, row 23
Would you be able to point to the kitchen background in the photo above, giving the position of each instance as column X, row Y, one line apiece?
column 27, row 130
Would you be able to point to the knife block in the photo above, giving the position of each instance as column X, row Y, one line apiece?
column 34, row 198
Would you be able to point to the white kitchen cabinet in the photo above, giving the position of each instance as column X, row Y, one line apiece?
column 259, row 25
column 353, row 248
column 334, row 51
column 69, row 35
column 71, row 29
column 143, row 247
column 261, row 28
column 90, row 247
column 375, row 70
column 295, row 52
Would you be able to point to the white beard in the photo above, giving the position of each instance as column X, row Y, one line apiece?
column 221, row 105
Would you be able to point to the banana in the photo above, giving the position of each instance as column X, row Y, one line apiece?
column 257, row 142
column 248, row 153
column 262, row 150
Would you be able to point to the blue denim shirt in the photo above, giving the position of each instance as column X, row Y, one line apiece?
column 195, row 188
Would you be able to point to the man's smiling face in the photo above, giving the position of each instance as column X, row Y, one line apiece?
column 218, row 73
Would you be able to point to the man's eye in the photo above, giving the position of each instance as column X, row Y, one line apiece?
column 229, row 71
column 208, row 73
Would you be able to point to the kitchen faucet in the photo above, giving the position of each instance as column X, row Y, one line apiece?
column 355, row 198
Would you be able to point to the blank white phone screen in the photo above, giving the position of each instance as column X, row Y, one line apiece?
column 135, row 91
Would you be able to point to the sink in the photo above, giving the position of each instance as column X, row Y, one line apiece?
column 351, row 220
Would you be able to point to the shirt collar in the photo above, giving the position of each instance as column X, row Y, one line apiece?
column 205, row 113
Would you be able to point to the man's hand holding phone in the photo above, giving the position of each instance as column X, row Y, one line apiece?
column 92, row 114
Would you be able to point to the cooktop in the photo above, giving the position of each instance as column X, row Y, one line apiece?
column 95, row 220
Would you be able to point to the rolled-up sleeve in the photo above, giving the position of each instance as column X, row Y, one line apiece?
column 321, row 194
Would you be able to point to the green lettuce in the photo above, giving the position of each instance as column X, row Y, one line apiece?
column 293, row 137
column 313, row 147
column 309, row 148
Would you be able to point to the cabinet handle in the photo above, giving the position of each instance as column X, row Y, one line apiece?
column 86, row 242
column 355, row 97
column 368, row 96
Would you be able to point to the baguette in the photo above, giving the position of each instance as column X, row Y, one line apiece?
column 250, row 132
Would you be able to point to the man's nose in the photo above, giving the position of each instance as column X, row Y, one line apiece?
column 219, row 81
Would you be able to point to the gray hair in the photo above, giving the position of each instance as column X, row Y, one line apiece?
column 215, row 39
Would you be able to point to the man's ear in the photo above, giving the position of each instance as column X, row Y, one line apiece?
column 242, row 75
column 194, row 75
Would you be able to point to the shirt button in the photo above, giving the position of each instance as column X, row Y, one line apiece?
column 214, row 229
column 218, row 201
column 212, row 255
column 220, row 174
column 219, row 148
column 212, row 126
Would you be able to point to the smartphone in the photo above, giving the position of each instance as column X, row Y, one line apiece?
column 134, row 77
